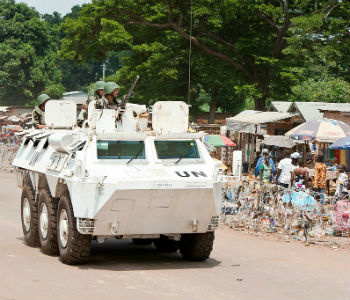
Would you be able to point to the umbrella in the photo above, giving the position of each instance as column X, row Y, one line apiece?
column 218, row 140
column 323, row 130
column 13, row 128
column 343, row 143
column 278, row 140
column 210, row 148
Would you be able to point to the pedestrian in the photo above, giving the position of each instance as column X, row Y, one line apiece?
column 266, row 171
column 260, row 161
column 342, row 184
column 319, row 183
column 38, row 114
column 284, row 170
column 295, row 161
column 257, row 156
column 299, row 176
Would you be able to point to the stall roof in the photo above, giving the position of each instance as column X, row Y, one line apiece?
column 260, row 117
column 280, row 106
column 246, row 121
column 314, row 110
column 278, row 140
column 341, row 107
column 308, row 110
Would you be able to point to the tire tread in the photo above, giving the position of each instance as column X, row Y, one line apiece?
column 197, row 246
column 31, row 238
column 79, row 245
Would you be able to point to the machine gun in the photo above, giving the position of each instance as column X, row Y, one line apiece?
column 128, row 95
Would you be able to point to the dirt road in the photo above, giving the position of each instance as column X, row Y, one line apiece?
column 240, row 267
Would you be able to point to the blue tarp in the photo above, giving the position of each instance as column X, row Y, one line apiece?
column 301, row 200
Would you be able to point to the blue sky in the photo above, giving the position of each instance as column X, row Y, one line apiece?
column 49, row 6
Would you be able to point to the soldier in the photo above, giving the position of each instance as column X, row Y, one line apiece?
column 111, row 90
column 95, row 94
column 39, row 111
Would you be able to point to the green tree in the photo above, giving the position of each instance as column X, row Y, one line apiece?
column 318, row 53
column 248, row 36
column 326, row 90
column 78, row 75
column 161, row 58
column 27, row 54
column 246, row 40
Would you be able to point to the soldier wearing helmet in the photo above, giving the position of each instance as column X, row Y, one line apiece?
column 111, row 90
column 39, row 111
column 95, row 94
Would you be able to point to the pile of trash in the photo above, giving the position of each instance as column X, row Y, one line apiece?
column 269, row 208
column 7, row 154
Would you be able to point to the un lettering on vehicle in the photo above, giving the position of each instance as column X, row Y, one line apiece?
column 191, row 173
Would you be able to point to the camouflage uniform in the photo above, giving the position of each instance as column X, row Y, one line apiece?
column 109, row 87
column 38, row 115
column 92, row 96
column 103, row 103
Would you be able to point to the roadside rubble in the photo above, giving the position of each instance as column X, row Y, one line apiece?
column 265, row 210
column 7, row 154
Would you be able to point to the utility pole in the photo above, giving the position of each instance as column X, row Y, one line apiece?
column 103, row 71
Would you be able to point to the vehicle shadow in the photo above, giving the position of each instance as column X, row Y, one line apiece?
column 123, row 255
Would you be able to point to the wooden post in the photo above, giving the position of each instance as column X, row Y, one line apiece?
column 252, row 147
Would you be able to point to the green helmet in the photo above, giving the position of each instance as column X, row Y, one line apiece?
column 109, row 87
column 42, row 98
column 99, row 85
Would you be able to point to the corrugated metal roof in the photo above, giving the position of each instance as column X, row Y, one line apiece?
column 281, row 106
column 246, row 112
column 308, row 110
column 249, row 121
column 278, row 140
column 260, row 117
column 341, row 107
column 313, row 110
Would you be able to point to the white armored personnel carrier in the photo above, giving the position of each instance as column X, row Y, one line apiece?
column 113, row 178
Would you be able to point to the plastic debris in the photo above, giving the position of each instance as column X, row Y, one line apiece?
column 265, row 209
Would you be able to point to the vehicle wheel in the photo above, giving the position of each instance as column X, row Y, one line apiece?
column 142, row 241
column 47, row 210
column 196, row 246
column 164, row 244
column 29, row 216
column 74, row 247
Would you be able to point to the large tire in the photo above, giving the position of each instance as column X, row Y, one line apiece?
column 74, row 247
column 197, row 246
column 29, row 216
column 47, row 211
column 164, row 244
column 142, row 241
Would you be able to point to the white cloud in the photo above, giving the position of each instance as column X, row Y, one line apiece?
column 49, row 6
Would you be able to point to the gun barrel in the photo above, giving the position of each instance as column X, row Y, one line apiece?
column 128, row 96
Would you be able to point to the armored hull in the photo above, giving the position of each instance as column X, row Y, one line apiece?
column 102, row 182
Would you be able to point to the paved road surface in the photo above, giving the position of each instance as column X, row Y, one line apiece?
column 240, row 267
